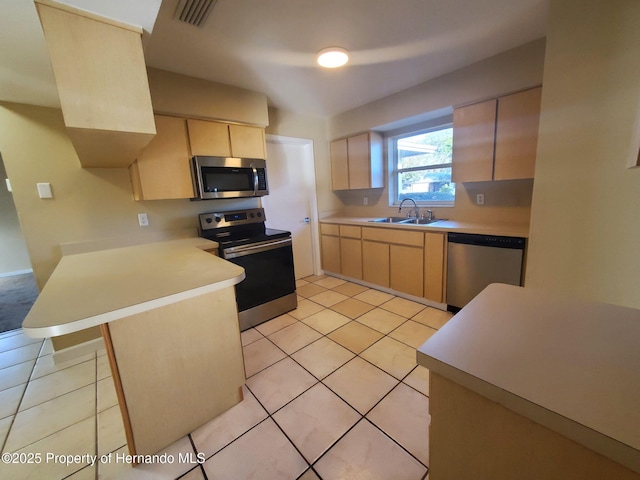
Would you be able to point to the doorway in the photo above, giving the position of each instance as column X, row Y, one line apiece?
column 291, row 203
column 18, row 288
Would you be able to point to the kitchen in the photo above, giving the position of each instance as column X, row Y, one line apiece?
column 570, row 219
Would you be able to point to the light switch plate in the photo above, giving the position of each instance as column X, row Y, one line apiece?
column 44, row 190
column 143, row 220
column 480, row 199
column 8, row 182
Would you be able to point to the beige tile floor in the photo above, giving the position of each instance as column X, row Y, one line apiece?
column 333, row 392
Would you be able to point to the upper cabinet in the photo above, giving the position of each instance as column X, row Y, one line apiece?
column 219, row 139
column 102, row 83
column 496, row 139
column 162, row 170
column 356, row 162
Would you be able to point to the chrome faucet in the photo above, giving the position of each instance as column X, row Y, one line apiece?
column 430, row 217
column 416, row 210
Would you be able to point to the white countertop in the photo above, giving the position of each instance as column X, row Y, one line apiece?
column 572, row 366
column 443, row 226
column 89, row 289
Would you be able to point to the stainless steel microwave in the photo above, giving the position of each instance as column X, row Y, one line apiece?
column 228, row 177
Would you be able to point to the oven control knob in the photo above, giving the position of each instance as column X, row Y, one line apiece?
column 218, row 219
column 259, row 214
column 208, row 220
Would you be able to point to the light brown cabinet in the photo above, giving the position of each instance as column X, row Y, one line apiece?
column 434, row 266
column 162, row 170
column 220, row 139
column 412, row 262
column 330, row 244
column 102, row 83
column 351, row 251
column 398, row 262
column 356, row 162
column 496, row 139
column 406, row 273
column 375, row 263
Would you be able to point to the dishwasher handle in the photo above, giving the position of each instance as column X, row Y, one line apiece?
column 517, row 243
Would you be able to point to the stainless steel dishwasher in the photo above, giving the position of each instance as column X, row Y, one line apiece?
column 475, row 261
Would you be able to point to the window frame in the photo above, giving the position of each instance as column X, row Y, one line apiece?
column 391, row 139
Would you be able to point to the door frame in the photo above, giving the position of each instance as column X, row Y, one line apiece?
column 308, row 162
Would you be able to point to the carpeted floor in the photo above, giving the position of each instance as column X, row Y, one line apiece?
column 17, row 294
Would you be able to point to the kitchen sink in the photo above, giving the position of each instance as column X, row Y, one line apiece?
column 422, row 221
column 407, row 221
column 390, row 220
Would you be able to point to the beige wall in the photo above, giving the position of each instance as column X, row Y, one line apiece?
column 509, row 71
column 89, row 203
column 585, row 232
column 13, row 250
column 505, row 202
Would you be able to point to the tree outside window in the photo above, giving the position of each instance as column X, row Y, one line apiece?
column 423, row 166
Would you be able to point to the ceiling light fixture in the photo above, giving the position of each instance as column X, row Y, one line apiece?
column 332, row 57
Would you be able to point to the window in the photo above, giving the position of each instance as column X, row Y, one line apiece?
column 420, row 163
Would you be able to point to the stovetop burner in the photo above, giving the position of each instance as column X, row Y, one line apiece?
column 238, row 227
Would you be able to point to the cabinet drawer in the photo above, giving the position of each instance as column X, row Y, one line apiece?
column 350, row 231
column 402, row 237
column 329, row 229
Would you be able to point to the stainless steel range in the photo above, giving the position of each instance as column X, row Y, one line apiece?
column 269, row 288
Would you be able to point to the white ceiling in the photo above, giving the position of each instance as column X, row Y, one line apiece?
column 269, row 45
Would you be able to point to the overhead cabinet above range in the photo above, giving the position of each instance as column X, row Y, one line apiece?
column 356, row 162
column 218, row 139
column 162, row 171
column 496, row 139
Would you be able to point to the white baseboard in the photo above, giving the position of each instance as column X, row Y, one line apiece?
column 75, row 351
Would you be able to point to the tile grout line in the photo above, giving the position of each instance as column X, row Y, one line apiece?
column 362, row 416
column 15, row 414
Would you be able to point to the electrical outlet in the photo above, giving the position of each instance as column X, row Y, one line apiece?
column 480, row 199
column 365, row 201
column 143, row 220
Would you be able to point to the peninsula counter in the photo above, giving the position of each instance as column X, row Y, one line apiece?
column 168, row 316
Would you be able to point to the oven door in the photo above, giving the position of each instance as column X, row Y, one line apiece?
column 269, row 272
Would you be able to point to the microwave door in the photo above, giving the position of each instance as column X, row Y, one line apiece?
column 220, row 182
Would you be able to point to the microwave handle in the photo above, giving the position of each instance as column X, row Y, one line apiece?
column 255, row 181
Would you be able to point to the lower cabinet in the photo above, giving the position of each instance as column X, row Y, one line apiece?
column 435, row 245
column 406, row 269
column 412, row 262
column 375, row 263
column 330, row 244
column 394, row 259
column 351, row 251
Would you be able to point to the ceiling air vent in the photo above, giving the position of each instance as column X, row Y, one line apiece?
column 194, row 12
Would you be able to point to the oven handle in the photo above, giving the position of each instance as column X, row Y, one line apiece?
column 251, row 249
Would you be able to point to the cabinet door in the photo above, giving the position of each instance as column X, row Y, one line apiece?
column 209, row 138
column 434, row 248
column 359, row 161
column 474, row 129
column 247, row 142
column 163, row 170
column 517, row 135
column 339, row 165
column 351, row 257
column 406, row 269
column 375, row 263
column 330, row 253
